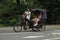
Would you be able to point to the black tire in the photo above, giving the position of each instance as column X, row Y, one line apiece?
column 35, row 28
column 42, row 27
column 17, row 27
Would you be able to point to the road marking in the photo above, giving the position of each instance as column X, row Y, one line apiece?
column 34, row 36
column 56, row 33
column 53, row 39
column 56, row 30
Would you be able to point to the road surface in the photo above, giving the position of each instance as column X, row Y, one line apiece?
column 52, row 33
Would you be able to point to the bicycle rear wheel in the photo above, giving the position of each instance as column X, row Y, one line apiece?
column 44, row 27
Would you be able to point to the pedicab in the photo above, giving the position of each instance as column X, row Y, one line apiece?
column 20, row 25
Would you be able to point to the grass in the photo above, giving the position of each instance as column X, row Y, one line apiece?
column 2, row 25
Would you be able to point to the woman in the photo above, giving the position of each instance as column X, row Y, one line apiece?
column 36, row 19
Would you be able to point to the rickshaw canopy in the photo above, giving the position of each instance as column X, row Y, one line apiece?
column 44, row 16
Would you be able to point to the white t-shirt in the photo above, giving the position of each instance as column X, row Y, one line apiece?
column 28, row 14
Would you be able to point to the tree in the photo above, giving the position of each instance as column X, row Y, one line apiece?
column 10, row 9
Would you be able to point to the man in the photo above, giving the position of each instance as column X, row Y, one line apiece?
column 27, row 15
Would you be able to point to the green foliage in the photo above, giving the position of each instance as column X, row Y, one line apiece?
column 10, row 10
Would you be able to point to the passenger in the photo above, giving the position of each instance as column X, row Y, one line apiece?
column 37, row 18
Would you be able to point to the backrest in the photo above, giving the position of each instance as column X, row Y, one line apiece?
column 44, row 14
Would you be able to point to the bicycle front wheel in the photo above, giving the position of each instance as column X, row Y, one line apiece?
column 17, row 28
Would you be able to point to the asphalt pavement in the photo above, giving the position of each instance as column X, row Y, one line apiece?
column 52, row 32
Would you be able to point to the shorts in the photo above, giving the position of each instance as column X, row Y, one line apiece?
column 27, row 20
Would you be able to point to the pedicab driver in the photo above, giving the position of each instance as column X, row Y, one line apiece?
column 26, row 15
